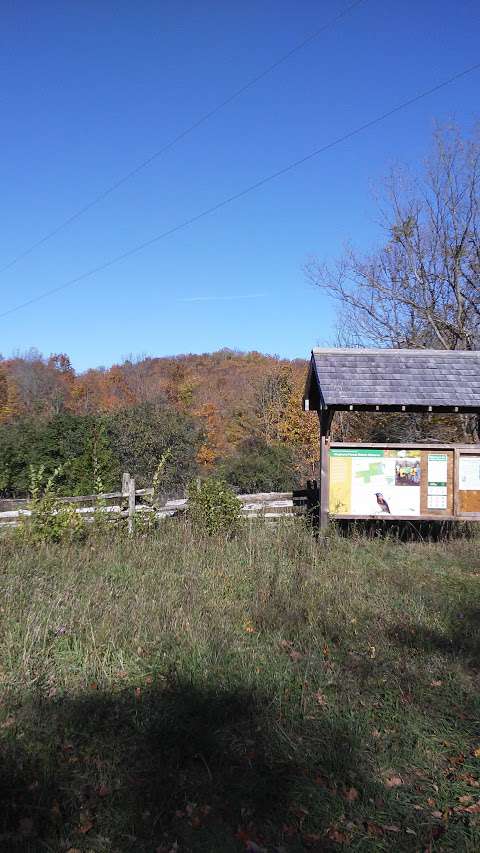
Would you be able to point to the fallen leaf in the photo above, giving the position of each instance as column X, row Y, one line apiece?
column 437, row 814
column 469, row 780
column 104, row 791
column 55, row 810
column 350, row 795
column 374, row 828
column 391, row 827
column 393, row 782
column 321, row 699
column 149, row 679
column 74, row 850
column 475, row 809
column 334, row 834
column 436, row 683
column 476, row 752
column 406, row 698
column 465, row 800
column 375, row 733
column 458, row 759
column 85, row 825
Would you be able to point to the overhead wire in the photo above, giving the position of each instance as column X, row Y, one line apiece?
column 186, row 132
column 246, row 191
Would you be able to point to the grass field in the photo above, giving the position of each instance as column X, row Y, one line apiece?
column 271, row 692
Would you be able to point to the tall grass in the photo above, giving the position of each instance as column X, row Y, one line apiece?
column 271, row 690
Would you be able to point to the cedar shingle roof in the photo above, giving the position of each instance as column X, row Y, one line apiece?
column 417, row 379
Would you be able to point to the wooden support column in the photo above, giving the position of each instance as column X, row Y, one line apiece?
column 325, row 418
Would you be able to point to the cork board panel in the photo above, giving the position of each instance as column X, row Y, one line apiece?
column 469, row 501
column 424, row 508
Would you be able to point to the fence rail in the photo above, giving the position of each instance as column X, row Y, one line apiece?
column 130, row 501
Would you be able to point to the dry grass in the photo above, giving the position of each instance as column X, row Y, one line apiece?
column 168, row 693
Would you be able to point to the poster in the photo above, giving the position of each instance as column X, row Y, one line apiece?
column 437, row 481
column 469, row 473
column 373, row 481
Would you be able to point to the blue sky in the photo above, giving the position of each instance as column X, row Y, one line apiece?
column 89, row 90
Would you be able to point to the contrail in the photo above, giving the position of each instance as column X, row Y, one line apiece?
column 222, row 298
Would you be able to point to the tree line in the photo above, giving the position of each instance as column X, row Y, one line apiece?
column 235, row 415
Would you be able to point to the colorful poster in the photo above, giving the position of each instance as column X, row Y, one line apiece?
column 373, row 481
column 469, row 473
column 437, row 481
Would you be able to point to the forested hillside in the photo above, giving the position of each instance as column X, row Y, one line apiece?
column 237, row 414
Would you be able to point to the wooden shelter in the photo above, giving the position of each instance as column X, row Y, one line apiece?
column 396, row 380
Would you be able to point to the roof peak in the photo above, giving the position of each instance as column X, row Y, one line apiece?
column 390, row 351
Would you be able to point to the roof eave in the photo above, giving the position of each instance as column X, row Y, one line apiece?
column 427, row 408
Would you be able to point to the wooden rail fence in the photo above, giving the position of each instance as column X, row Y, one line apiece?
column 130, row 501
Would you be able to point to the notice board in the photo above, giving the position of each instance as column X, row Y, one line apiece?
column 391, row 481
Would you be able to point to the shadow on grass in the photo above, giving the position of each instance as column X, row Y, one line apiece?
column 460, row 639
column 205, row 769
column 407, row 531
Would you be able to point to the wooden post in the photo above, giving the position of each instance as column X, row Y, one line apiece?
column 456, row 496
column 325, row 418
column 125, row 482
column 131, row 504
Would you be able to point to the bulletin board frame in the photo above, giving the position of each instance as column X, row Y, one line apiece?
column 404, row 481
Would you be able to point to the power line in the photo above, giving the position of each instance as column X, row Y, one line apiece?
column 187, row 222
column 204, row 118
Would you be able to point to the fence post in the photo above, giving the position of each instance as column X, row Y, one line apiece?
column 125, row 482
column 131, row 503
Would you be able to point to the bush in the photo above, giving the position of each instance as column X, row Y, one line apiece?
column 76, row 447
column 50, row 520
column 259, row 467
column 142, row 435
column 213, row 507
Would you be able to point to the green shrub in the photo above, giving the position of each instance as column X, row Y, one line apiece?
column 51, row 520
column 258, row 467
column 213, row 506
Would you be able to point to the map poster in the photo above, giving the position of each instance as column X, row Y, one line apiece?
column 374, row 481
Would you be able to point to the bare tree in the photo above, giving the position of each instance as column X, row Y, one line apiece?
column 421, row 288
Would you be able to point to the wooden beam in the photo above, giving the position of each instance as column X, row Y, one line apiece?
column 325, row 418
column 456, row 469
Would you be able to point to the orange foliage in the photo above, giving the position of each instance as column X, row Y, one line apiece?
column 236, row 396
